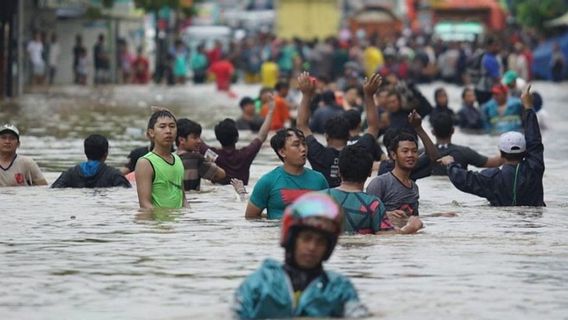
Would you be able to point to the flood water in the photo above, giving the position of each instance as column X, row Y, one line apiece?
column 89, row 254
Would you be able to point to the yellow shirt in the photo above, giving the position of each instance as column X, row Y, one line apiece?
column 269, row 74
column 372, row 60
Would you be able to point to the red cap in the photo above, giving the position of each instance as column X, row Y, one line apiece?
column 499, row 88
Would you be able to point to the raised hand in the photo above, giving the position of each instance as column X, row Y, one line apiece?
column 306, row 84
column 415, row 119
column 527, row 98
column 371, row 85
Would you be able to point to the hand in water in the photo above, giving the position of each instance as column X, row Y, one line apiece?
column 413, row 225
column 415, row 119
column 239, row 187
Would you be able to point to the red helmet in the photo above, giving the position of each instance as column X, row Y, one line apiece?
column 316, row 211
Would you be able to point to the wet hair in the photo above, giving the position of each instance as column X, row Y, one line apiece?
column 328, row 97
column 513, row 156
column 353, row 116
column 337, row 128
column 466, row 90
column 281, row 85
column 278, row 141
column 96, row 147
column 264, row 90
column 244, row 101
column 159, row 114
column 185, row 127
column 226, row 132
column 403, row 136
column 437, row 93
column 135, row 155
column 443, row 125
column 355, row 163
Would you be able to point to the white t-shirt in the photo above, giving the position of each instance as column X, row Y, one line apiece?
column 23, row 171
column 35, row 49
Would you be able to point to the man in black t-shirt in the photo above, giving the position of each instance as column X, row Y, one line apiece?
column 443, row 129
column 325, row 159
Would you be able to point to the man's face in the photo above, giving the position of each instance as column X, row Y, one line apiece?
column 501, row 98
column 351, row 96
column 164, row 131
column 381, row 99
column 248, row 109
column 442, row 99
column 191, row 142
column 393, row 104
column 406, row 155
column 469, row 98
column 8, row 143
column 311, row 247
column 295, row 151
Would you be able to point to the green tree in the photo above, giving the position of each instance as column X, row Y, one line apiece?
column 534, row 14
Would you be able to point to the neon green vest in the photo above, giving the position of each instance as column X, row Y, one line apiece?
column 167, row 187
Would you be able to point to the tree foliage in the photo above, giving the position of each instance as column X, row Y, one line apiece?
column 534, row 14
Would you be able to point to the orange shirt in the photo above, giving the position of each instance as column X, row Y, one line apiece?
column 281, row 113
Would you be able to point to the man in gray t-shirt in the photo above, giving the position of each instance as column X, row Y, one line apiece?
column 394, row 194
column 396, row 189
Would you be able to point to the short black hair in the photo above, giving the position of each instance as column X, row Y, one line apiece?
column 226, row 132
column 278, row 141
column 438, row 91
column 162, row 113
column 465, row 90
column 185, row 127
column 328, row 97
column 135, row 155
column 355, row 163
column 442, row 125
column 353, row 116
column 513, row 156
column 337, row 128
column 403, row 136
column 244, row 101
column 96, row 147
column 263, row 90
column 281, row 85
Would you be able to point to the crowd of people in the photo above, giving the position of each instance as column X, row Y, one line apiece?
column 264, row 58
column 371, row 118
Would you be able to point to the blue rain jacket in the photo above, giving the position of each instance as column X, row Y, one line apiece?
column 498, row 185
column 267, row 293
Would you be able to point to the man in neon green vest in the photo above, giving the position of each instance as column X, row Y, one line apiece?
column 159, row 174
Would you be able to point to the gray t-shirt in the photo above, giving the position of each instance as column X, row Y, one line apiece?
column 394, row 194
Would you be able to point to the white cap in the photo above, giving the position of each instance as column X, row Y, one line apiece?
column 512, row 142
column 11, row 128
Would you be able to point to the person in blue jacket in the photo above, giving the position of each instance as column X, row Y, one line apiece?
column 519, row 181
column 300, row 287
column 503, row 112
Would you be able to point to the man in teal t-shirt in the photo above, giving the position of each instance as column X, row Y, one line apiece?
column 281, row 186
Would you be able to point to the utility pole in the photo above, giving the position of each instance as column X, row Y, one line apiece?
column 20, row 44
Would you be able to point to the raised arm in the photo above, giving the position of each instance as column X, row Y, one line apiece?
column 143, row 174
column 371, row 86
column 308, row 87
column 416, row 121
column 533, row 138
column 263, row 132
